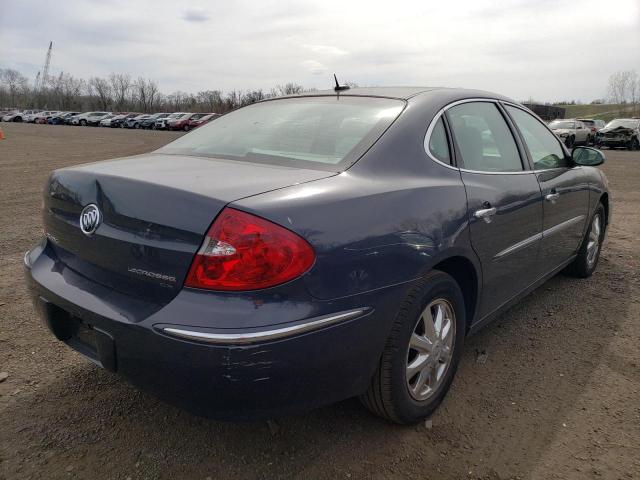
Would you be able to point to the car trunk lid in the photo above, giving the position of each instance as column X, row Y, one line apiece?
column 155, row 210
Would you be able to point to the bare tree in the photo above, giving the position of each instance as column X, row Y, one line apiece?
column 15, row 83
column 287, row 89
column 121, row 88
column 100, row 89
column 634, row 91
column 618, row 86
column 211, row 100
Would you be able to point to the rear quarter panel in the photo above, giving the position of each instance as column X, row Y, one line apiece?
column 387, row 220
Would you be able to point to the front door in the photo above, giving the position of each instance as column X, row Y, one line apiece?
column 564, row 190
column 503, row 198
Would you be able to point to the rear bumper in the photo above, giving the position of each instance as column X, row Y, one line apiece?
column 218, row 376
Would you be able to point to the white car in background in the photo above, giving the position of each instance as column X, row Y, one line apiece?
column 87, row 118
column 19, row 116
column 161, row 124
column 571, row 132
column 42, row 117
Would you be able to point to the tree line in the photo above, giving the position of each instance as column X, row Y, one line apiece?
column 120, row 92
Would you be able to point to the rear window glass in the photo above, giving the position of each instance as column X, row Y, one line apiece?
column 327, row 133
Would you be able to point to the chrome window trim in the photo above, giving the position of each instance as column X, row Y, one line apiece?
column 526, row 110
column 427, row 137
column 439, row 113
column 263, row 335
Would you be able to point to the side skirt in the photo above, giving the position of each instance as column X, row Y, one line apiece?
column 483, row 322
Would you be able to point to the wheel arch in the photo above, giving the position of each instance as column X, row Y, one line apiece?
column 604, row 199
column 464, row 272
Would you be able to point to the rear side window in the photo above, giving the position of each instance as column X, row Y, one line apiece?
column 438, row 144
column 483, row 138
column 544, row 147
column 325, row 132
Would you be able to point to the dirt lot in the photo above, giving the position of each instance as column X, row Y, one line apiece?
column 558, row 396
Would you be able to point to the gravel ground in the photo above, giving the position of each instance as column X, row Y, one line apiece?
column 557, row 397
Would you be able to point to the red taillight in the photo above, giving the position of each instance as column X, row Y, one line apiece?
column 245, row 252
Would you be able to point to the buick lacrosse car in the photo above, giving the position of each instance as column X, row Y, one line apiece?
column 308, row 249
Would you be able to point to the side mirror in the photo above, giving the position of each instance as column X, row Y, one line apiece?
column 587, row 156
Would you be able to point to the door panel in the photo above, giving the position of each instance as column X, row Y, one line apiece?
column 507, row 245
column 564, row 190
column 565, row 210
column 504, row 201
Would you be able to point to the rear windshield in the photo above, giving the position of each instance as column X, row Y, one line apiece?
column 560, row 125
column 327, row 133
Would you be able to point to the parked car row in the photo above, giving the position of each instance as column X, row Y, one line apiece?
column 156, row 121
column 621, row 132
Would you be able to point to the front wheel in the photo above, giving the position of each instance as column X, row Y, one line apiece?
column 587, row 260
column 569, row 142
column 422, row 352
column 186, row 128
column 634, row 144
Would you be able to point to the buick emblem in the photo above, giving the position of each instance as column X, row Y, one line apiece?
column 90, row 219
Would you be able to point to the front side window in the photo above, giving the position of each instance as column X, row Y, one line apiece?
column 483, row 138
column 438, row 144
column 324, row 132
column 544, row 147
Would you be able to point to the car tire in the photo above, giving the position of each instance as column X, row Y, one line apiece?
column 186, row 128
column 394, row 393
column 153, row 127
column 17, row 119
column 569, row 142
column 634, row 144
column 83, row 123
column 136, row 126
column 589, row 253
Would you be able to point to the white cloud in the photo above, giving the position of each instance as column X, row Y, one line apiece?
column 325, row 49
column 316, row 68
column 548, row 50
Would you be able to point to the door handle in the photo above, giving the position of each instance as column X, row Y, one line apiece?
column 552, row 197
column 486, row 214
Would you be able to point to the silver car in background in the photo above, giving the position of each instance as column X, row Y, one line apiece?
column 571, row 131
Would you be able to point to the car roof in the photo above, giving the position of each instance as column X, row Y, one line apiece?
column 403, row 93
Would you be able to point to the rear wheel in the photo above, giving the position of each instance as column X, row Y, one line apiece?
column 634, row 144
column 587, row 260
column 186, row 128
column 83, row 123
column 422, row 352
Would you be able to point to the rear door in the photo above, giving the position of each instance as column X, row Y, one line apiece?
column 503, row 198
column 564, row 189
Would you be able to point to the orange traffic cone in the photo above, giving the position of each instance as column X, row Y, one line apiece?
column 1, row 135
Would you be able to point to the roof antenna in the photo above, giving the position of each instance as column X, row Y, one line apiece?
column 338, row 88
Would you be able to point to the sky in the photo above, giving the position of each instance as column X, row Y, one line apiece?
column 547, row 50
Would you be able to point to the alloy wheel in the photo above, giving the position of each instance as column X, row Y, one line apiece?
column 430, row 349
column 593, row 244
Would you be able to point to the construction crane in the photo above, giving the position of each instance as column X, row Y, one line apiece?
column 41, row 77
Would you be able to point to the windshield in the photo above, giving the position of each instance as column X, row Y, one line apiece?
column 589, row 122
column 622, row 123
column 327, row 133
column 558, row 125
